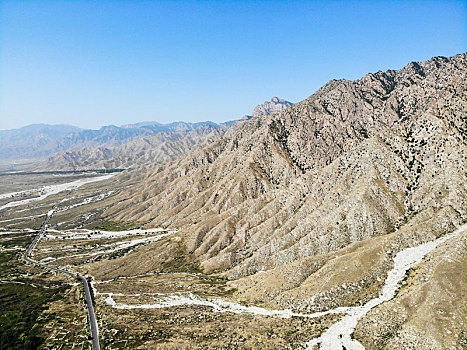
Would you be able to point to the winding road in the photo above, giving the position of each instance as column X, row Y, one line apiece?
column 87, row 292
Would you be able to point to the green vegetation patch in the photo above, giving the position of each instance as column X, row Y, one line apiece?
column 20, row 308
column 180, row 260
column 22, row 300
column 10, row 259
column 114, row 226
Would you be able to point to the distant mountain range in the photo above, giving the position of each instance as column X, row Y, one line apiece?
column 64, row 147
column 40, row 140
column 146, row 149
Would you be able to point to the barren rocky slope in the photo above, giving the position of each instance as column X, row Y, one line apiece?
column 305, row 209
column 429, row 311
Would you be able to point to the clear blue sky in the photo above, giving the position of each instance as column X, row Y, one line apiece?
column 94, row 63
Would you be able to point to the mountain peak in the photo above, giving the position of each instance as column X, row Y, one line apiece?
column 276, row 99
column 276, row 105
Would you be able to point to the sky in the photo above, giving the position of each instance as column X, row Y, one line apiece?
column 95, row 63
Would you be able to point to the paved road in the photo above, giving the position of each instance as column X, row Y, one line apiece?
column 87, row 292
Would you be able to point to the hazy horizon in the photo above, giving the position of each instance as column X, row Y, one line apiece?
column 92, row 64
column 118, row 125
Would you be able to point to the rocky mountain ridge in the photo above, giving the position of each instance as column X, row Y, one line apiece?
column 306, row 208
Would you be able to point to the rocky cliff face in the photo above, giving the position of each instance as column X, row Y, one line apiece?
column 276, row 105
column 306, row 208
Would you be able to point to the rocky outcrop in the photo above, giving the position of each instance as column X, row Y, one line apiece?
column 276, row 105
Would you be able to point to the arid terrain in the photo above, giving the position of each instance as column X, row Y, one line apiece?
column 337, row 223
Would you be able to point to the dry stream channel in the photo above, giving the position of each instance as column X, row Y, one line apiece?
column 338, row 336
